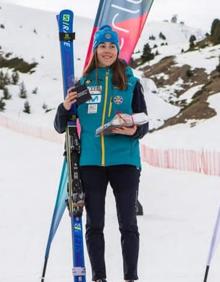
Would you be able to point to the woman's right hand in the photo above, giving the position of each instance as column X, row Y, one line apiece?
column 70, row 99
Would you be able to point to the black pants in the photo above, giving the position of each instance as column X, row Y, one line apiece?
column 124, row 180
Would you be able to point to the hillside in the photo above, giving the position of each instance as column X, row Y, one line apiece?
column 181, row 86
column 182, row 73
column 187, row 78
column 31, row 36
column 191, row 86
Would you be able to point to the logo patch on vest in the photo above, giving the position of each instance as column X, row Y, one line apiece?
column 88, row 81
column 96, row 99
column 118, row 100
column 95, row 89
column 92, row 108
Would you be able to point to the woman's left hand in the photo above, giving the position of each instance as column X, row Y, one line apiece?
column 125, row 130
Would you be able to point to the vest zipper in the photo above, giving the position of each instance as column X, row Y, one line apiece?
column 103, row 120
column 110, row 108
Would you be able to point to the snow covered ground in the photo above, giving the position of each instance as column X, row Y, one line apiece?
column 179, row 215
column 180, row 208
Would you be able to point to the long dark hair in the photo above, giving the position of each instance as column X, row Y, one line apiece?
column 119, row 78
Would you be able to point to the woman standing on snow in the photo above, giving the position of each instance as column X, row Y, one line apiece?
column 114, row 158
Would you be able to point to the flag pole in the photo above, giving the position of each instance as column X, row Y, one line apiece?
column 213, row 245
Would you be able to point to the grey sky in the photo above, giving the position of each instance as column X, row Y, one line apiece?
column 196, row 13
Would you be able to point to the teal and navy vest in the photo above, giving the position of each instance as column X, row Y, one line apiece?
column 107, row 100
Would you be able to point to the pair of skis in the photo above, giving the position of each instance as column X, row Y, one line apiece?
column 73, row 196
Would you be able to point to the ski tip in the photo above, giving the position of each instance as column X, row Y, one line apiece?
column 66, row 11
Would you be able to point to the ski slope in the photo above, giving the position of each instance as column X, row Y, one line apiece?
column 180, row 208
column 179, row 214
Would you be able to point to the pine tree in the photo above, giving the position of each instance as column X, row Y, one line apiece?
column 2, row 105
column 27, row 107
column 7, row 79
column 174, row 19
column 2, row 81
column 162, row 36
column 44, row 106
column 147, row 55
column 189, row 73
column 23, row 91
column 215, row 23
column 218, row 66
column 6, row 94
column 152, row 37
column 191, row 41
column 215, row 31
column 15, row 77
column 35, row 90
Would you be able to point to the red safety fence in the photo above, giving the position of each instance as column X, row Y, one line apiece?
column 31, row 130
column 203, row 161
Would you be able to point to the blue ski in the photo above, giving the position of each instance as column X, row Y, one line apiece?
column 70, row 191
column 75, row 199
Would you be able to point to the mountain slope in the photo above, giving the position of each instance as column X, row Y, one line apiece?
column 178, row 76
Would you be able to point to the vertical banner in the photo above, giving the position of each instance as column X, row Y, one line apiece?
column 127, row 17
